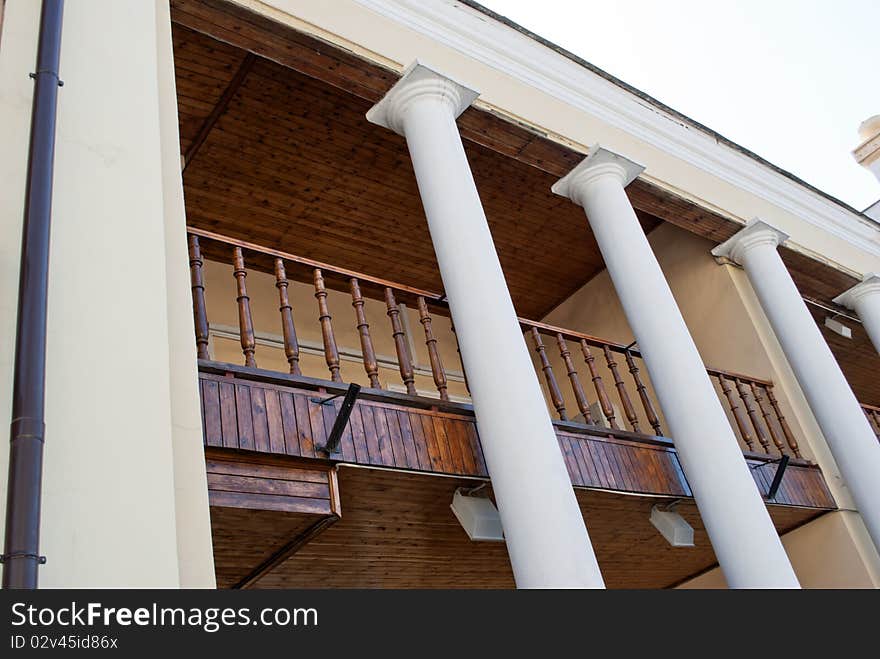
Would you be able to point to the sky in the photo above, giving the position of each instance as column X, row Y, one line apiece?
column 790, row 80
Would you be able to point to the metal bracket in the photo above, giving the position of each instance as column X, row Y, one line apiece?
column 332, row 445
column 777, row 477
column 21, row 554
column 670, row 507
column 324, row 401
column 33, row 76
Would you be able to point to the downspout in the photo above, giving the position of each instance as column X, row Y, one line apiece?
column 21, row 557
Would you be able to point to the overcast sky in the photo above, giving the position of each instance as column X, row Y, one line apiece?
column 790, row 80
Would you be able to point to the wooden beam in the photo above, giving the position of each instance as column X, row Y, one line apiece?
column 247, row 63
column 286, row 551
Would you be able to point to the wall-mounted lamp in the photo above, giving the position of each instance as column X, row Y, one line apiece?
column 478, row 516
column 672, row 526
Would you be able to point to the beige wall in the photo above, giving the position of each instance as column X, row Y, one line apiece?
column 220, row 297
column 124, row 495
column 822, row 553
column 710, row 304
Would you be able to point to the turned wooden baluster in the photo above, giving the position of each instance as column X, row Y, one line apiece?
column 768, row 420
column 458, row 350
column 291, row 345
column 628, row 408
column 579, row 396
column 433, row 353
column 331, row 352
column 601, row 394
column 371, row 366
column 403, row 358
column 789, row 437
column 555, row 395
column 245, row 322
column 753, row 415
column 647, row 404
column 200, row 313
column 737, row 413
column 873, row 420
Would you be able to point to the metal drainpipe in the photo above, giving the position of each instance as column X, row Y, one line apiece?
column 21, row 557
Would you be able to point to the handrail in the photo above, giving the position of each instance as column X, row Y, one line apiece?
column 268, row 251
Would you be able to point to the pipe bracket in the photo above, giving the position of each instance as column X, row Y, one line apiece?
column 21, row 554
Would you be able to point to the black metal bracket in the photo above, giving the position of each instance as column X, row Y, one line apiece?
column 21, row 554
column 777, row 478
column 33, row 76
column 332, row 445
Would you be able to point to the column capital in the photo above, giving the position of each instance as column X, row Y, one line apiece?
column 870, row 285
column 756, row 232
column 599, row 163
column 420, row 82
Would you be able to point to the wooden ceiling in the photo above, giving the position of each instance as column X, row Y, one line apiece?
column 293, row 164
column 397, row 531
column 287, row 159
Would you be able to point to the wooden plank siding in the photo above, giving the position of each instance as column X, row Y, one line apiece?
column 257, row 483
column 276, row 414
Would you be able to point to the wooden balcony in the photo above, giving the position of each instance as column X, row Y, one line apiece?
column 872, row 412
column 381, row 497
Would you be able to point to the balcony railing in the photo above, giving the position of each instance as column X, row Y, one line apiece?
column 751, row 403
column 873, row 414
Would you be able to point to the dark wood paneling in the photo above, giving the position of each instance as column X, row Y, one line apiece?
column 398, row 532
column 236, row 481
column 264, row 174
column 384, row 431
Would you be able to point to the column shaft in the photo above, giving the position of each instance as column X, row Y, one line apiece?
column 543, row 525
column 847, row 431
column 742, row 534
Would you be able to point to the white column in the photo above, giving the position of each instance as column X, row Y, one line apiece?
column 543, row 525
column 847, row 431
column 864, row 299
column 746, row 543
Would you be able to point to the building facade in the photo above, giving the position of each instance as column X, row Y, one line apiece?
column 560, row 300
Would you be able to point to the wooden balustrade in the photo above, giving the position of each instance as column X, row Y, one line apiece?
column 872, row 412
column 753, row 418
column 753, row 406
column 555, row 394
column 245, row 321
column 291, row 346
column 433, row 353
column 331, row 352
column 403, row 357
column 604, row 401
column 371, row 365
column 200, row 312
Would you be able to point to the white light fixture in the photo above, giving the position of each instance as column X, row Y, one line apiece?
column 837, row 327
column 478, row 517
column 673, row 527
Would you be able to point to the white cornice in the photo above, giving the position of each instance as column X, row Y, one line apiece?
column 525, row 59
